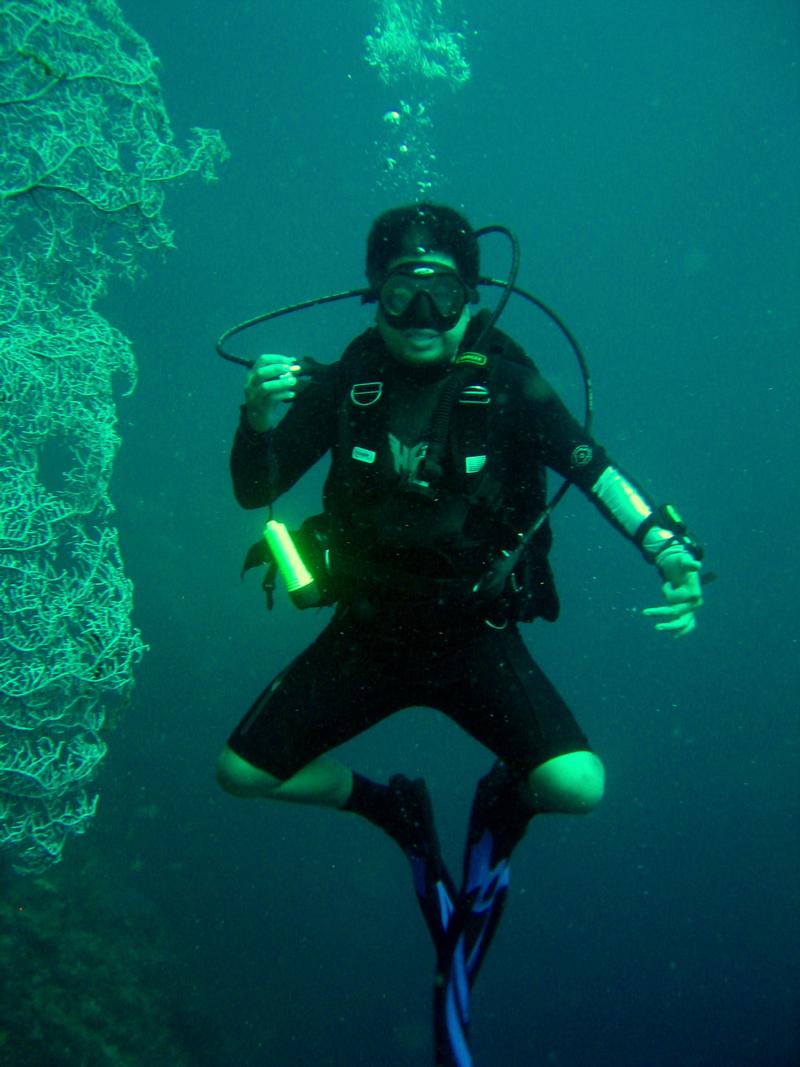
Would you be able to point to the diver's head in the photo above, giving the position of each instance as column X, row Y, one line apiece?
column 422, row 309
column 414, row 231
column 422, row 266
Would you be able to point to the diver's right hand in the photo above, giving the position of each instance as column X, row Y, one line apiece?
column 269, row 381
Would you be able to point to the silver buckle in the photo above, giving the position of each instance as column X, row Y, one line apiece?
column 365, row 393
column 475, row 394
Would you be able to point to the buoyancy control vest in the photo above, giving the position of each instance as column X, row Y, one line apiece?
column 403, row 527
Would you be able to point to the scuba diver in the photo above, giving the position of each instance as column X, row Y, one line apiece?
column 433, row 546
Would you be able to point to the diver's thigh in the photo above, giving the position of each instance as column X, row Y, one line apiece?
column 334, row 690
column 507, row 703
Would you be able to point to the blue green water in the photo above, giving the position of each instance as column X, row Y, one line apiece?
column 646, row 154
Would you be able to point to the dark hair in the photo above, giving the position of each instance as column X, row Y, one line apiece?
column 417, row 229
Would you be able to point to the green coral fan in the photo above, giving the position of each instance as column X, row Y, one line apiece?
column 411, row 44
column 86, row 158
column 413, row 52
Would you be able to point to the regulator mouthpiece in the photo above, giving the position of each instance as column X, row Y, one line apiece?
column 299, row 580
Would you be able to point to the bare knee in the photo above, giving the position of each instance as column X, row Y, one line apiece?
column 241, row 779
column 573, row 783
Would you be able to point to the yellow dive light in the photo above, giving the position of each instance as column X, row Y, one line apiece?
column 299, row 580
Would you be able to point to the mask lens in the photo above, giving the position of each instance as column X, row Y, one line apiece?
column 444, row 290
column 396, row 294
column 447, row 294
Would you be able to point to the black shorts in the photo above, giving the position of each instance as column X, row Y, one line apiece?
column 354, row 676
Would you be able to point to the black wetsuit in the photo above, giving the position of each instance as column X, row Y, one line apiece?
column 389, row 646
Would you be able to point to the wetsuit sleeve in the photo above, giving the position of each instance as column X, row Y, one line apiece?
column 558, row 440
column 265, row 465
column 551, row 435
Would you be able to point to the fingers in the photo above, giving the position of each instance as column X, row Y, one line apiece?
column 270, row 380
column 679, row 617
column 679, row 627
column 271, row 375
column 670, row 611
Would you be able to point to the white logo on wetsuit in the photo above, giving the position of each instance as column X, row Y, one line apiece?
column 407, row 459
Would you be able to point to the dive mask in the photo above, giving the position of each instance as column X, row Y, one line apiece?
column 423, row 295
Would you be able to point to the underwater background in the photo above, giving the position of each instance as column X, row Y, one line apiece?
column 646, row 154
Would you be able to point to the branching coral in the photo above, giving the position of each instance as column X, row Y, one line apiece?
column 414, row 53
column 86, row 157
column 410, row 43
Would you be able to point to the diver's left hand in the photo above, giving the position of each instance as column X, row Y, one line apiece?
column 682, row 591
